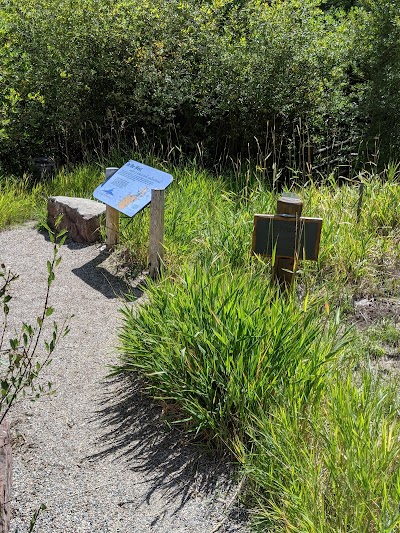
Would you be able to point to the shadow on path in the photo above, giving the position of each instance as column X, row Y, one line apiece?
column 99, row 277
column 136, row 433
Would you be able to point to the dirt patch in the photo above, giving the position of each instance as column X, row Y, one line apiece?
column 369, row 310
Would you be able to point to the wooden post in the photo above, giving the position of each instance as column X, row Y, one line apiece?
column 156, row 252
column 285, row 267
column 112, row 218
column 5, row 476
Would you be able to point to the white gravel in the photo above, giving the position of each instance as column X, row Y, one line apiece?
column 97, row 453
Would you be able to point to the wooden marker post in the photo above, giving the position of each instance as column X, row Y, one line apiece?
column 287, row 236
column 112, row 217
column 5, row 476
column 285, row 267
column 156, row 252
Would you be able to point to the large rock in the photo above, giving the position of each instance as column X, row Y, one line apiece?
column 81, row 217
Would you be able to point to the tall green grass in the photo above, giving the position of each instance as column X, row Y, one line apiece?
column 223, row 344
column 18, row 201
column 23, row 199
column 271, row 378
column 332, row 468
column 209, row 216
column 269, row 375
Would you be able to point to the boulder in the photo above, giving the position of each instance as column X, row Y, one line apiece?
column 81, row 217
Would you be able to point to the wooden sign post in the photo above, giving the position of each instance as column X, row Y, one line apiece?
column 285, row 267
column 128, row 190
column 287, row 237
column 112, row 217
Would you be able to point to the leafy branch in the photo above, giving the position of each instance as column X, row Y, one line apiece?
column 21, row 361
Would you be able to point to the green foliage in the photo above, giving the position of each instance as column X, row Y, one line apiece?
column 265, row 375
column 18, row 200
column 376, row 62
column 22, row 360
column 222, row 344
column 206, row 222
column 22, row 199
column 332, row 467
column 89, row 74
column 270, row 376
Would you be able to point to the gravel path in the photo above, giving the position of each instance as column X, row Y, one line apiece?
column 97, row 453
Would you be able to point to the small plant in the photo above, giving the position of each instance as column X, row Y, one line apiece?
column 382, row 339
column 21, row 357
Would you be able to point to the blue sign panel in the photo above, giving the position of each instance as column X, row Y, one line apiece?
column 129, row 189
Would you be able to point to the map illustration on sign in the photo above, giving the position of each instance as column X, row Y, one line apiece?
column 129, row 189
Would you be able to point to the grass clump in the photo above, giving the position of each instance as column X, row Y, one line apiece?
column 271, row 378
column 333, row 467
column 223, row 344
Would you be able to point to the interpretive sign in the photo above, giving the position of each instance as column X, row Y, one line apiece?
column 287, row 236
column 129, row 189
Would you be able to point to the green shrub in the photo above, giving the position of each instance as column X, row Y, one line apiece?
column 89, row 74
column 376, row 62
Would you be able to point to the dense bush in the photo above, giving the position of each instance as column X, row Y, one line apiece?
column 378, row 60
column 87, row 73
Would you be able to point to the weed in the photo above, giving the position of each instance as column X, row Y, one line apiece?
column 21, row 359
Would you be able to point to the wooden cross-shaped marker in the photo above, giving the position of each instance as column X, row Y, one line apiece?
column 287, row 236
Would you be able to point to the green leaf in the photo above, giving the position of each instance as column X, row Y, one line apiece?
column 58, row 221
column 62, row 233
column 50, row 279
column 14, row 344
